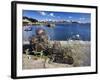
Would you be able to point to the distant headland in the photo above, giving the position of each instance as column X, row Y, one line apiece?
column 31, row 21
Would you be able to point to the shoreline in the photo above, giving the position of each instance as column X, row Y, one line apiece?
column 63, row 42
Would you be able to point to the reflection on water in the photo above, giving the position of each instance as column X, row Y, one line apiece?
column 60, row 32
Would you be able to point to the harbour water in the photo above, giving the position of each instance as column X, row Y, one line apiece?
column 60, row 32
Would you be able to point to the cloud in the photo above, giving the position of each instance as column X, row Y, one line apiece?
column 82, row 18
column 52, row 14
column 70, row 17
column 58, row 16
column 42, row 13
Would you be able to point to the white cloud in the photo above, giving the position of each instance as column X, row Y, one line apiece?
column 52, row 14
column 49, row 19
column 82, row 18
column 58, row 16
column 70, row 17
column 42, row 13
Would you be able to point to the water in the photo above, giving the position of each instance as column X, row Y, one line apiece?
column 62, row 32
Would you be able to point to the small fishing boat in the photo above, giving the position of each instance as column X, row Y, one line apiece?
column 50, row 25
column 28, row 29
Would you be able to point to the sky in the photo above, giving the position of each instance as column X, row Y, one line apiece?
column 50, row 15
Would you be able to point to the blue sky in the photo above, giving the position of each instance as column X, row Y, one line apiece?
column 50, row 15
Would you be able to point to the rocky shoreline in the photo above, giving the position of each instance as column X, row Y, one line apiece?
column 80, row 52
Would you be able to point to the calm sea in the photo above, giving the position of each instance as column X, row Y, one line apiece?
column 73, row 31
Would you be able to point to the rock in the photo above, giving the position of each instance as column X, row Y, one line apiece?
column 69, row 60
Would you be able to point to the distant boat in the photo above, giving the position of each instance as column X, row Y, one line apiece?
column 75, row 37
column 50, row 25
column 28, row 29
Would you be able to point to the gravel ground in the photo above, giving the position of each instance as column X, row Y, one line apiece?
column 39, row 63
